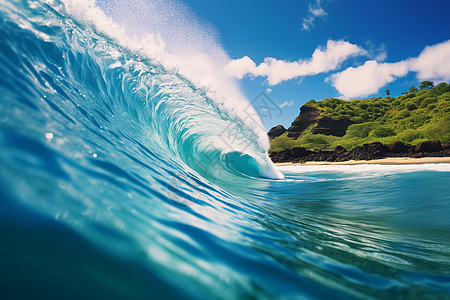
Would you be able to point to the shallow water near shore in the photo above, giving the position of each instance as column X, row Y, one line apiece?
column 113, row 184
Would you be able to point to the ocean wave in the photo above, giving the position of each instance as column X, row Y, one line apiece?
column 194, row 122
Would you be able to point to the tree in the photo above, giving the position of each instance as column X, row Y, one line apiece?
column 404, row 93
column 425, row 85
column 442, row 88
column 413, row 90
column 388, row 92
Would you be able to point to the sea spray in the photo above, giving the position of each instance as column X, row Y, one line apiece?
column 144, row 27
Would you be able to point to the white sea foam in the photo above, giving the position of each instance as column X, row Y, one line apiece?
column 372, row 169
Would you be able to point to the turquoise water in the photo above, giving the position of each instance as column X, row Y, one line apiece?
column 118, row 181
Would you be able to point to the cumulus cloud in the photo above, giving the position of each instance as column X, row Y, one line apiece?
column 315, row 11
column 368, row 78
column 433, row 63
column 240, row 67
column 269, row 90
column 277, row 71
column 287, row 103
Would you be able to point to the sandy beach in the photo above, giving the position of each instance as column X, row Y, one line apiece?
column 384, row 161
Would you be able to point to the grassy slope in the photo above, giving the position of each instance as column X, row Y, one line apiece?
column 411, row 118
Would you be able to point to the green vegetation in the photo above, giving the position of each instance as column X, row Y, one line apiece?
column 411, row 118
column 425, row 85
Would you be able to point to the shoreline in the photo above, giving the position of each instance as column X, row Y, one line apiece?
column 381, row 161
column 372, row 153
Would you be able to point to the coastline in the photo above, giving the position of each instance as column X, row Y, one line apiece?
column 381, row 161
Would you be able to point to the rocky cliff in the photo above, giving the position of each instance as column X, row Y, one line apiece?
column 276, row 131
column 330, row 126
column 310, row 116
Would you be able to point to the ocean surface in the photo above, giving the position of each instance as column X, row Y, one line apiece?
column 121, row 177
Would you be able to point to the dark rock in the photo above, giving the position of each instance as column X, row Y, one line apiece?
column 330, row 126
column 428, row 146
column 298, row 152
column 286, row 154
column 358, row 149
column 331, row 158
column 308, row 116
column 323, row 157
column 366, row 152
column 276, row 131
column 363, row 156
column 378, row 153
column 398, row 147
column 377, row 147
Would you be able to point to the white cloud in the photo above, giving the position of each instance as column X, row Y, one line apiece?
column 368, row 78
column 314, row 11
column 240, row 67
column 277, row 71
column 377, row 52
column 269, row 90
column 433, row 63
column 381, row 56
column 287, row 103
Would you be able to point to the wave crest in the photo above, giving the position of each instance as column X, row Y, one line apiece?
column 202, row 124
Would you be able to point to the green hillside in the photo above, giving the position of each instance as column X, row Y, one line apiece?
column 411, row 118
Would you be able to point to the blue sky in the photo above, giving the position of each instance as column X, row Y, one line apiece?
column 381, row 41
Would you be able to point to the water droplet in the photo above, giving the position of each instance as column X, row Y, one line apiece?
column 94, row 155
column 49, row 135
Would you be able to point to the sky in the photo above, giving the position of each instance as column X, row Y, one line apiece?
column 297, row 50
